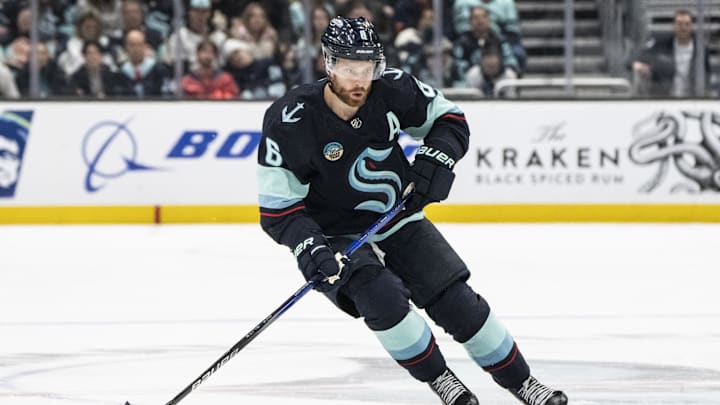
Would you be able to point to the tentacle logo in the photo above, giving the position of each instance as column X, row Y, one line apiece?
column 364, row 179
column 689, row 141
column 109, row 151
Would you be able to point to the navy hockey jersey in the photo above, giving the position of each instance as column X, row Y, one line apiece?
column 336, row 177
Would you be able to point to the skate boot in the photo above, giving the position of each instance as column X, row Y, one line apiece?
column 451, row 390
column 532, row 392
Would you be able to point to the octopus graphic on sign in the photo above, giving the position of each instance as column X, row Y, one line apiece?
column 687, row 141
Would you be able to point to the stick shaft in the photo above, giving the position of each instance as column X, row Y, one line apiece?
column 377, row 226
column 243, row 342
column 364, row 237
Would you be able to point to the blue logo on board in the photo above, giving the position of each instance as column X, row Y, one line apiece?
column 14, row 132
column 110, row 151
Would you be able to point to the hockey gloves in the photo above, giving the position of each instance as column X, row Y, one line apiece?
column 433, row 177
column 315, row 256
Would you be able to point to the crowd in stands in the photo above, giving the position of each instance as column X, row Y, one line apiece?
column 238, row 49
column 249, row 50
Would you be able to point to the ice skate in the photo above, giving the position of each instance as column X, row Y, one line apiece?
column 451, row 390
column 532, row 392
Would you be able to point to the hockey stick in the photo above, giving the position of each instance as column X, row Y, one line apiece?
column 364, row 237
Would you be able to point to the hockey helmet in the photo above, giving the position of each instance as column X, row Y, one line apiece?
column 354, row 39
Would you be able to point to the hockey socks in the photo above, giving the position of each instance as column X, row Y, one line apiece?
column 493, row 349
column 412, row 345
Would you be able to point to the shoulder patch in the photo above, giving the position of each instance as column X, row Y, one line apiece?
column 289, row 116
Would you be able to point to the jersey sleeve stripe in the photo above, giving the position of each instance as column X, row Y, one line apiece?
column 282, row 213
column 438, row 107
column 277, row 203
column 455, row 116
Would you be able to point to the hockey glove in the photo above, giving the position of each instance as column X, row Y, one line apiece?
column 433, row 177
column 315, row 256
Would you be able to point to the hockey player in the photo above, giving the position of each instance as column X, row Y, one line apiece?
column 329, row 165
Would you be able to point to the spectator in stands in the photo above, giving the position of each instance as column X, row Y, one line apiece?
column 293, row 72
column 278, row 14
column 255, row 29
column 667, row 64
column 320, row 20
column 257, row 79
column 296, row 11
column 8, row 88
column 133, row 18
column 15, row 21
column 52, row 80
column 292, row 58
column 231, row 9
column 88, row 27
column 93, row 79
column 377, row 12
column 281, row 14
column 406, row 13
column 18, row 54
column 504, row 17
column 449, row 76
column 141, row 75
column 488, row 73
column 23, row 21
column 7, row 10
column 481, row 54
column 158, row 16
column 414, row 51
column 197, row 30
column 109, row 12
column 51, row 21
column 207, row 81
column 410, row 52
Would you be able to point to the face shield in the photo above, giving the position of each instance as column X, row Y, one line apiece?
column 353, row 69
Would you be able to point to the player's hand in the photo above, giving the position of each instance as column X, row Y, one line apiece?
column 314, row 258
column 432, row 178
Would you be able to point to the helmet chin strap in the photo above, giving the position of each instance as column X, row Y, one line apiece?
column 330, row 84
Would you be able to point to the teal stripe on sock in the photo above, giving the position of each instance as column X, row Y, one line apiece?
column 407, row 339
column 490, row 344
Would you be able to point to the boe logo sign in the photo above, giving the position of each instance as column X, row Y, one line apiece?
column 113, row 149
column 195, row 144
column 240, row 144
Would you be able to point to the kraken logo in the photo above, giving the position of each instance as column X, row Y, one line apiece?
column 688, row 142
column 364, row 179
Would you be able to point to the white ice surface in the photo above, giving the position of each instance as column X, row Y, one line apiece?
column 612, row 314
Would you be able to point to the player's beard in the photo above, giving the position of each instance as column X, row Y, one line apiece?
column 346, row 95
